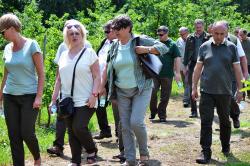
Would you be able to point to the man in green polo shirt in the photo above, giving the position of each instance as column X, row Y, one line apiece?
column 171, row 66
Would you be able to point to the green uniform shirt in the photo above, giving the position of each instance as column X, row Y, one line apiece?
column 246, row 48
column 168, row 59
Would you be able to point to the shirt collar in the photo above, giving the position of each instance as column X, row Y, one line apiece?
column 224, row 41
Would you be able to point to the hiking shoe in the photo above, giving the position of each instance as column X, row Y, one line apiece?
column 55, row 150
column 103, row 135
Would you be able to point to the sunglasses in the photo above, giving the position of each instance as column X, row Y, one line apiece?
column 70, row 26
column 161, row 34
column 74, row 34
column 107, row 32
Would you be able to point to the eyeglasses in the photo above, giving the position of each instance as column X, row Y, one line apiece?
column 70, row 26
column 74, row 34
column 107, row 32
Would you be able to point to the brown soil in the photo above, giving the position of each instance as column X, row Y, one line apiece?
column 174, row 143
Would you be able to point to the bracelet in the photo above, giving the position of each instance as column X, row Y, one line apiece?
column 95, row 94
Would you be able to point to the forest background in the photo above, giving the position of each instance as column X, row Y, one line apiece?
column 43, row 20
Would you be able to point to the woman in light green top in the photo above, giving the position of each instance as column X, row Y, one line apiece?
column 21, row 89
column 132, row 88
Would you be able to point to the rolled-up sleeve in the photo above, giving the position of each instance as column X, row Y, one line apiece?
column 159, row 46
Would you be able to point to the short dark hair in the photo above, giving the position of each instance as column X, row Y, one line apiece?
column 122, row 21
column 108, row 25
column 163, row 28
column 244, row 31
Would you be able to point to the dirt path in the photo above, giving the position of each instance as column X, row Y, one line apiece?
column 174, row 143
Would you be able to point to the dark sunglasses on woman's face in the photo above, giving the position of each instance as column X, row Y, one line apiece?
column 70, row 26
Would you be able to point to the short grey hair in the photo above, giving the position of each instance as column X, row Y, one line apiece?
column 183, row 29
column 198, row 21
column 219, row 23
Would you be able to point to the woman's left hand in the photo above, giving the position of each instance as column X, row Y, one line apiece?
column 37, row 103
column 91, row 102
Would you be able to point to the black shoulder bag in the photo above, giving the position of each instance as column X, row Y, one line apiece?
column 66, row 105
column 151, row 64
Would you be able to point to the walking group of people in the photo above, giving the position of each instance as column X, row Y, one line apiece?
column 114, row 74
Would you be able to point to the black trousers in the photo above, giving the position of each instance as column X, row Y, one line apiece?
column 206, row 108
column 102, row 118
column 20, row 119
column 79, row 134
column 193, row 102
column 166, row 87
column 60, row 132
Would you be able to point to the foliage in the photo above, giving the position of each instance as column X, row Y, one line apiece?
column 44, row 22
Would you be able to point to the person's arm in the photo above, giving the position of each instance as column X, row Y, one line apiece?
column 57, row 87
column 195, row 79
column 243, row 59
column 244, row 67
column 5, row 73
column 38, row 61
column 102, row 89
column 239, row 77
column 177, row 68
column 150, row 45
column 97, row 81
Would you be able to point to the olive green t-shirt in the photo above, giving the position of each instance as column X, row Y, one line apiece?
column 168, row 59
column 246, row 48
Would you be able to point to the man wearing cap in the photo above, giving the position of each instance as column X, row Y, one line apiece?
column 171, row 62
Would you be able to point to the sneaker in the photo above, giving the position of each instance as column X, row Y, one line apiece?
column 55, row 150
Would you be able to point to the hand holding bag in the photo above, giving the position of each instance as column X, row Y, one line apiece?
column 150, row 63
column 66, row 105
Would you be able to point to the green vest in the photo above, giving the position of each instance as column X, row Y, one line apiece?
column 232, row 38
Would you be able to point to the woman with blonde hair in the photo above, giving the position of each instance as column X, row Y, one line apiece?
column 21, row 89
column 85, row 91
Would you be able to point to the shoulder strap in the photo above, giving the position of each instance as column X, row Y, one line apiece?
column 137, row 41
column 73, row 78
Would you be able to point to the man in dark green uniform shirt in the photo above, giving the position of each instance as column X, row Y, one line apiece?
column 171, row 61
